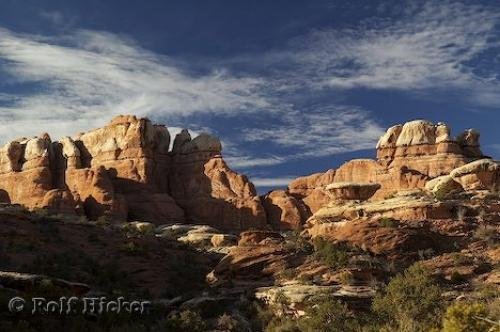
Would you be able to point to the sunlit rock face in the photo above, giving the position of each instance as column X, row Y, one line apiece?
column 125, row 170
column 408, row 156
column 427, row 148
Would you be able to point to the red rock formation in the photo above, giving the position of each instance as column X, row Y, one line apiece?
column 283, row 207
column 125, row 170
column 208, row 190
column 408, row 156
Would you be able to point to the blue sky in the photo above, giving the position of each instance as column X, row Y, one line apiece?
column 291, row 87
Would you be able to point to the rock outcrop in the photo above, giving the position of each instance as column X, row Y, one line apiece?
column 408, row 157
column 208, row 190
column 125, row 170
column 352, row 191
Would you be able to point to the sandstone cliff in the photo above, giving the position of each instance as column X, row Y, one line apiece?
column 126, row 171
column 408, row 156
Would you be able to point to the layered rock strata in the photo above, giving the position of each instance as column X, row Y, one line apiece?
column 125, row 170
column 408, row 156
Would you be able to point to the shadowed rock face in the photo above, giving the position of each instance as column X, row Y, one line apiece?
column 408, row 156
column 125, row 170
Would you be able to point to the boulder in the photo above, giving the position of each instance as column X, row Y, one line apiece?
column 140, row 227
column 224, row 240
column 443, row 187
column 483, row 174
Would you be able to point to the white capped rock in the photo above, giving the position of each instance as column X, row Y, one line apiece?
column 390, row 137
column 37, row 147
column 417, row 132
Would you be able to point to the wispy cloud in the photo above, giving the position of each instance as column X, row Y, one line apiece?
column 80, row 80
column 87, row 77
column 427, row 47
column 321, row 131
column 272, row 182
column 239, row 161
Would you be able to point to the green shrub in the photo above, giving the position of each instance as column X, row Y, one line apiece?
column 185, row 321
column 328, row 314
column 411, row 300
column 494, row 310
column 466, row 317
column 282, row 324
column 334, row 255
column 346, row 278
column 296, row 242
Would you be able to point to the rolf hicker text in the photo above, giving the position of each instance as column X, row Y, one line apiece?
column 77, row 305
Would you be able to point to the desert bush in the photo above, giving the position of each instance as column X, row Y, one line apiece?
column 185, row 321
column 335, row 255
column 494, row 310
column 411, row 301
column 282, row 324
column 323, row 313
column 296, row 242
column 346, row 278
column 281, row 302
column 466, row 317
column 488, row 292
column 328, row 314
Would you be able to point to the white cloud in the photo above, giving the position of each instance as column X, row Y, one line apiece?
column 272, row 182
column 239, row 161
column 80, row 80
column 321, row 131
column 88, row 77
column 427, row 47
